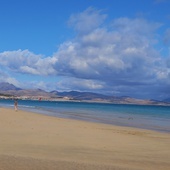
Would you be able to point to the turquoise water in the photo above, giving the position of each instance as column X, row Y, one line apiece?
column 140, row 116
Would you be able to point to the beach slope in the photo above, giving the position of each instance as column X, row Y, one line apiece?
column 30, row 141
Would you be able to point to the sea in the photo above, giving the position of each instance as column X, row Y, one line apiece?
column 139, row 116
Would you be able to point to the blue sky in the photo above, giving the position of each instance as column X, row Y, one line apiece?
column 108, row 46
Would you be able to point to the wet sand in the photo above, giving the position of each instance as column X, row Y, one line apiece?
column 30, row 141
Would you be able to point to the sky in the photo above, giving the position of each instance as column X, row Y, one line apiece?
column 118, row 48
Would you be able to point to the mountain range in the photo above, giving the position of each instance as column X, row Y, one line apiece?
column 10, row 90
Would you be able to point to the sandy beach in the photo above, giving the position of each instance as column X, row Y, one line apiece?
column 30, row 141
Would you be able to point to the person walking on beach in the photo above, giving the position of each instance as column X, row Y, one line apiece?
column 16, row 104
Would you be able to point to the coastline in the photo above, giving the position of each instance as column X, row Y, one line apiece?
column 138, row 116
column 35, row 141
column 128, row 100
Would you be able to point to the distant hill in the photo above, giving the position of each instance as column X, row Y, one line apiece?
column 7, row 86
column 83, row 95
column 7, row 89
column 75, row 95
column 10, row 89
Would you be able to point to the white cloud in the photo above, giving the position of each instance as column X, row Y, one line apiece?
column 118, row 54
column 87, row 21
column 69, row 83
column 24, row 61
column 4, row 77
column 119, row 57
column 27, row 69
column 14, row 59
column 122, row 53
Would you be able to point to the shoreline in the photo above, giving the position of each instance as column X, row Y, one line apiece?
column 97, row 121
column 143, row 103
column 34, row 141
column 133, row 121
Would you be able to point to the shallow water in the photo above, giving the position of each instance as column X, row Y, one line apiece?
column 140, row 116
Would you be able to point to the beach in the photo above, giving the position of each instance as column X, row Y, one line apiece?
column 31, row 141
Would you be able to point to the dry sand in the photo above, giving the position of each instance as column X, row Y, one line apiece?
column 30, row 141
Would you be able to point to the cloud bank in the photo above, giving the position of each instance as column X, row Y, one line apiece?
column 119, row 57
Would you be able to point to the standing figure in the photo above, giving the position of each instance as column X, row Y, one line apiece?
column 16, row 104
